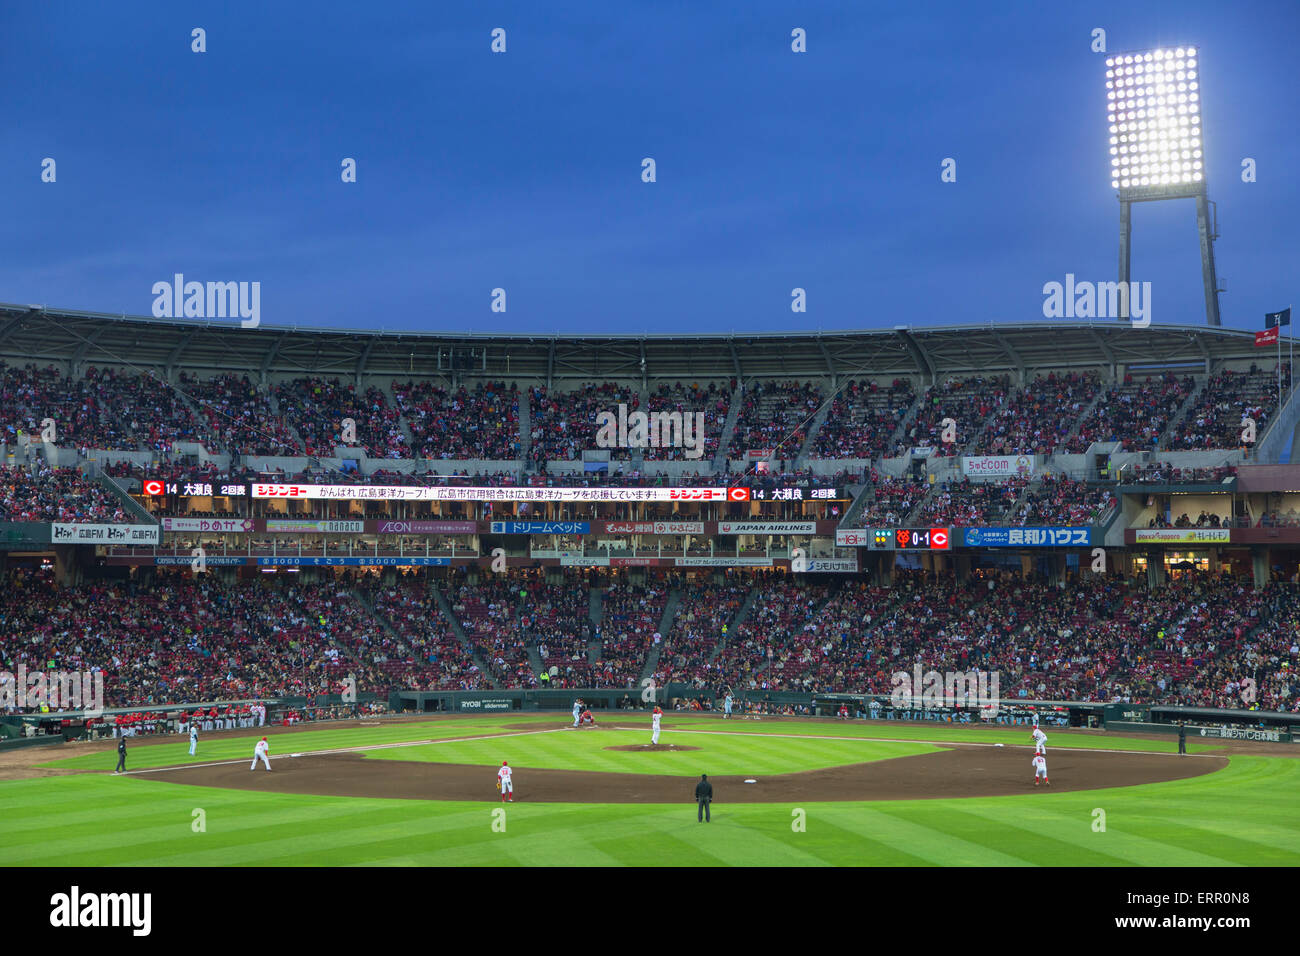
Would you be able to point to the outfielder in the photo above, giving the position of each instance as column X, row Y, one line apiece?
column 194, row 738
column 504, row 785
column 1040, row 739
column 654, row 725
column 260, row 752
column 1040, row 769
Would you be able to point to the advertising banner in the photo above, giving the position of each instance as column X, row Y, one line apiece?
column 833, row 565
column 293, row 561
column 1026, row 537
column 997, row 466
column 723, row 562
column 1182, row 535
column 453, row 493
column 104, row 534
column 541, row 527
column 426, row 527
column 300, row 525
column 767, row 527
column 207, row 524
column 853, row 539
column 211, row 560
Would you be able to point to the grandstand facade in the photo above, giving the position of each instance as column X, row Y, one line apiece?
column 1097, row 512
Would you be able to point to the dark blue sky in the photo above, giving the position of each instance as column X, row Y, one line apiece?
column 775, row 170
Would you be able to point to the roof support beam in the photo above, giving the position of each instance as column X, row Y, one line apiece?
column 361, row 362
column 920, row 356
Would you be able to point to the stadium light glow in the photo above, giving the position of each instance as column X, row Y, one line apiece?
column 1153, row 112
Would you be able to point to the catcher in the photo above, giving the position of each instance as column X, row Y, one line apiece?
column 586, row 720
column 506, row 788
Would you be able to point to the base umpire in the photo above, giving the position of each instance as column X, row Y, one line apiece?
column 703, row 797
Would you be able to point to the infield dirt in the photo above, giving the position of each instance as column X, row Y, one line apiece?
column 958, row 771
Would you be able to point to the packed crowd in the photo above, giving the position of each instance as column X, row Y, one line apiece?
column 629, row 626
column 188, row 639
column 42, row 493
column 83, row 411
column 862, row 420
column 420, row 652
column 967, row 401
column 238, row 417
column 700, row 628
column 1227, row 400
column 691, row 400
column 1061, row 500
column 231, row 413
column 774, row 416
column 779, row 621
column 327, row 414
column 478, row 423
column 1138, row 411
column 891, row 500
column 564, row 423
column 1038, row 419
column 964, row 502
column 1200, row 640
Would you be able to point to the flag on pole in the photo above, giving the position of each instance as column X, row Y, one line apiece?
column 1267, row 337
column 1274, row 319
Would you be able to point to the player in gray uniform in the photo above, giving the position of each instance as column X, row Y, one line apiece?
column 194, row 737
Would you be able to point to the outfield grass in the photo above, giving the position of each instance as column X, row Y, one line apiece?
column 1245, row 814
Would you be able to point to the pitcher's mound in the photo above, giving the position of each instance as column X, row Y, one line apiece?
column 639, row 747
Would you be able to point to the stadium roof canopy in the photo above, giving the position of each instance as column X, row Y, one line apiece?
column 74, row 340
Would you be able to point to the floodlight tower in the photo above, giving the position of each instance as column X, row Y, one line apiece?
column 1157, row 149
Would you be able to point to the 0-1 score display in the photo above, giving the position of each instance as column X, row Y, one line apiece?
column 914, row 539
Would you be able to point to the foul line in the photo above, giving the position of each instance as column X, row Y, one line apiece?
column 339, row 750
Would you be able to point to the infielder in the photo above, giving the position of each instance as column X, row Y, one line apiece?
column 504, row 785
column 726, row 705
column 194, row 738
column 654, row 725
column 260, row 752
column 1040, row 769
column 1040, row 739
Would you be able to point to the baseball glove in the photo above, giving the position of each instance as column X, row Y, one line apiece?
column 498, row 785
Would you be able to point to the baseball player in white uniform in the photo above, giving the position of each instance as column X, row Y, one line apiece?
column 1040, row 739
column 504, row 785
column 260, row 753
column 1040, row 769
column 726, row 705
column 577, row 711
column 194, row 738
column 654, row 725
